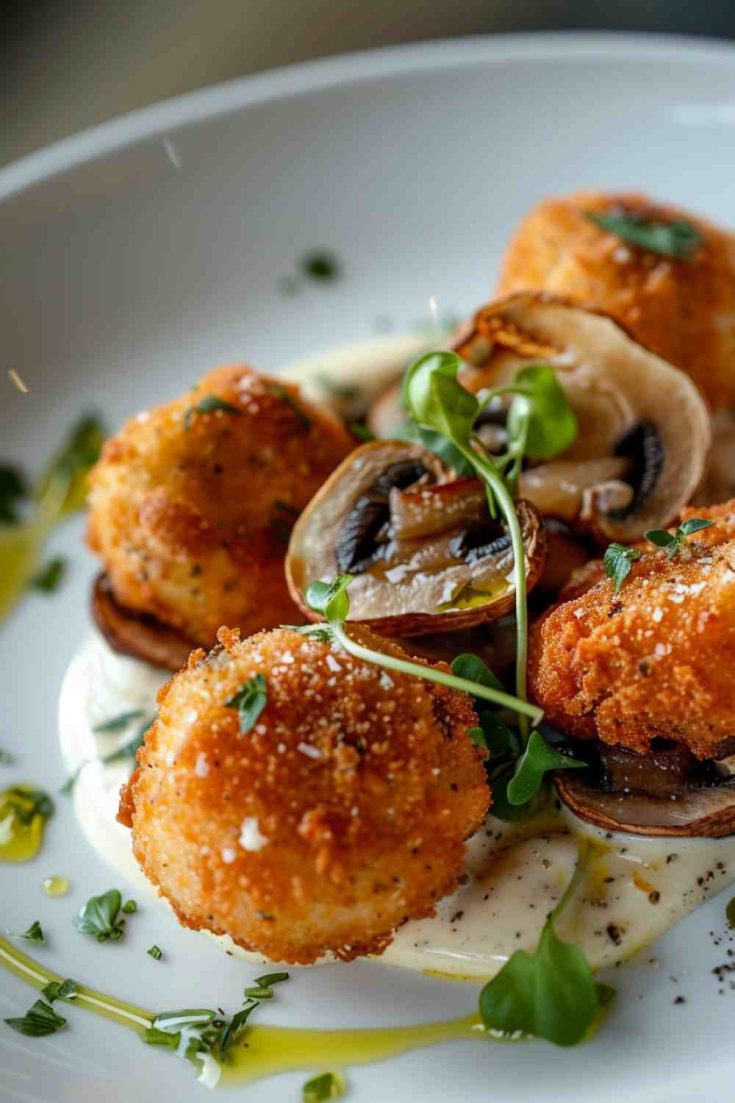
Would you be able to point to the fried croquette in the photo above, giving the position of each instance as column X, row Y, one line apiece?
column 192, row 503
column 681, row 309
column 339, row 816
column 652, row 661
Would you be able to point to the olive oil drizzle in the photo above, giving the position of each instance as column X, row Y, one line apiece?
column 265, row 1050
column 19, row 840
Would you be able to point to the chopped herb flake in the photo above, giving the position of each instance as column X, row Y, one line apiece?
column 323, row 1087
column 250, row 701
column 155, row 952
column 38, row 1021
column 50, row 577
column 33, row 934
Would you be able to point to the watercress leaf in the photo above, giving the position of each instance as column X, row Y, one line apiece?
column 38, row 1021
column 437, row 400
column 678, row 239
column 12, row 491
column 100, row 916
column 330, row 598
column 51, row 575
column 501, row 807
column 250, row 700
column 33, row 934
column 549, row 994
column 474, row 669
column 209, row 404
column 618, row 561
column 540, row 413
column 660, row 537
column 537, row 760
column 694, row 524
column 447, row 452
column 234, row 1029
column 323, row 1087
column 499, row 738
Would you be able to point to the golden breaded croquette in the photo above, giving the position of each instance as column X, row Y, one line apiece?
column 192, row 503
column 652, row 661
column 680, row 309
column 339, row 816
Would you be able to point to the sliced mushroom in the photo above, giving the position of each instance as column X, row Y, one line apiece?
column 665, row 792
column 424, row 550
column 640, row 418
column 140, row 636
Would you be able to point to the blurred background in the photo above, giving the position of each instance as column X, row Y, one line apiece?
column 69, row 64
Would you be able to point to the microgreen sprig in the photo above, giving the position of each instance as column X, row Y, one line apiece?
column 101, row 916
column 672, row 542
column 540, row 424
column 331, row 600
column 618, row 559
column 678, row 239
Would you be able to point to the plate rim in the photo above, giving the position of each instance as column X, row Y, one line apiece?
column 218, row 100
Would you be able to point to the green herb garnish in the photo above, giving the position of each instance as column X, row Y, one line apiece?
column 33, row 934
column 128, row 750
column 210, row 404
column 29, row 803
column 51, row 575
column 320, row 265
column 330, row 600
column 538, row 759
column 281, row 392
column 550, row 993
column 323, row 1087
column 130, row 907
column 12, row 491
column 678, row 239
column 618, row 562
column 101, row 917
column 672, row 541
column 38, row 1021
column 155, row 952
column 70, row 466
column 60, row 990
column 250, row 700
column 117, row 723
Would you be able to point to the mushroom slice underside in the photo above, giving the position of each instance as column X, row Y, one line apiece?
column 423, row 550
column 632, row 407
column 664, row 792
column 139, row 635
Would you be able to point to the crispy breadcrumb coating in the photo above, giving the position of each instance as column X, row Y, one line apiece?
column 339, row 816
column 681, row 309
column 653, row 661
column 191, row 509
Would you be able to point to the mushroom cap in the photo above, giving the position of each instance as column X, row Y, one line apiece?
column 137, row 634
column 436, row 579
column 629, row 404
column 680, row 309
column 707, row 811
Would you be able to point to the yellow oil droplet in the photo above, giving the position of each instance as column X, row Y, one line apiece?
column 56, row 886
column 21, row 826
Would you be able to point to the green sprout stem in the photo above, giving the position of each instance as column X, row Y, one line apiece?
column 430, row 674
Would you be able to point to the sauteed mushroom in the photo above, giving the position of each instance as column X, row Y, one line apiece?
column 672, row 803
column 644, row 429
column 137, row 634
column 424, row 550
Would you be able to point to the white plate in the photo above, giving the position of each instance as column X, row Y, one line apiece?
column 137, row 255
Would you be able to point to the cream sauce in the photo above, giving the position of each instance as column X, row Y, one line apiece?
column 635, row 889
